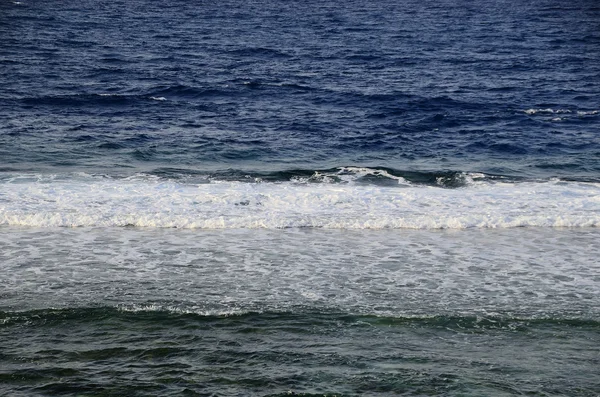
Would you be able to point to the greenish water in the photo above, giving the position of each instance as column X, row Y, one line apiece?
column 108, row 351
column 138, row 312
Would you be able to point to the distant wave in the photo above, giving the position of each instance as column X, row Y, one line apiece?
column 344, row 175
column 158, row 93
column 561, row 114
column 344, row 198
column 562, row 111
column 160, row 314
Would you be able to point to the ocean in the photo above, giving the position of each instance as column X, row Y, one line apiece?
column 310, row 198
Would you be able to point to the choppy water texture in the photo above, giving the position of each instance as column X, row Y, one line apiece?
column 269, row 198
column 241, row 312
column 489, row 87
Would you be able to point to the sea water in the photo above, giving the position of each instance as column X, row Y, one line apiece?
column 299, row 198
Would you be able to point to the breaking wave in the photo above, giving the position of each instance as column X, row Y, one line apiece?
column 344, row 198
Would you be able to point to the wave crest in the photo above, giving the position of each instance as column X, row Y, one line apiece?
column 160, row 314
column 348, row 198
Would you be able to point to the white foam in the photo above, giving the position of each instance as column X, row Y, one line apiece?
column 531, row 272
column 580, row 113
column 348, row 175
column 588, row 113
column 45, row 201
column 547, row 110
column 137, row 308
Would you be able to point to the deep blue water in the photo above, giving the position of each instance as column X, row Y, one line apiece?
column 235, row 198
column 497, row 87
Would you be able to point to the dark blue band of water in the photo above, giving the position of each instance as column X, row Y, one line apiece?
column 501, row 88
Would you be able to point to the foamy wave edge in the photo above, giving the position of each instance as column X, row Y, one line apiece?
column 237, row 205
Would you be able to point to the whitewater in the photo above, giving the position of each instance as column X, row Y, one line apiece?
column 316, row 202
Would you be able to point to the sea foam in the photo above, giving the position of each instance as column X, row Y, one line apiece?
column 158, row 203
